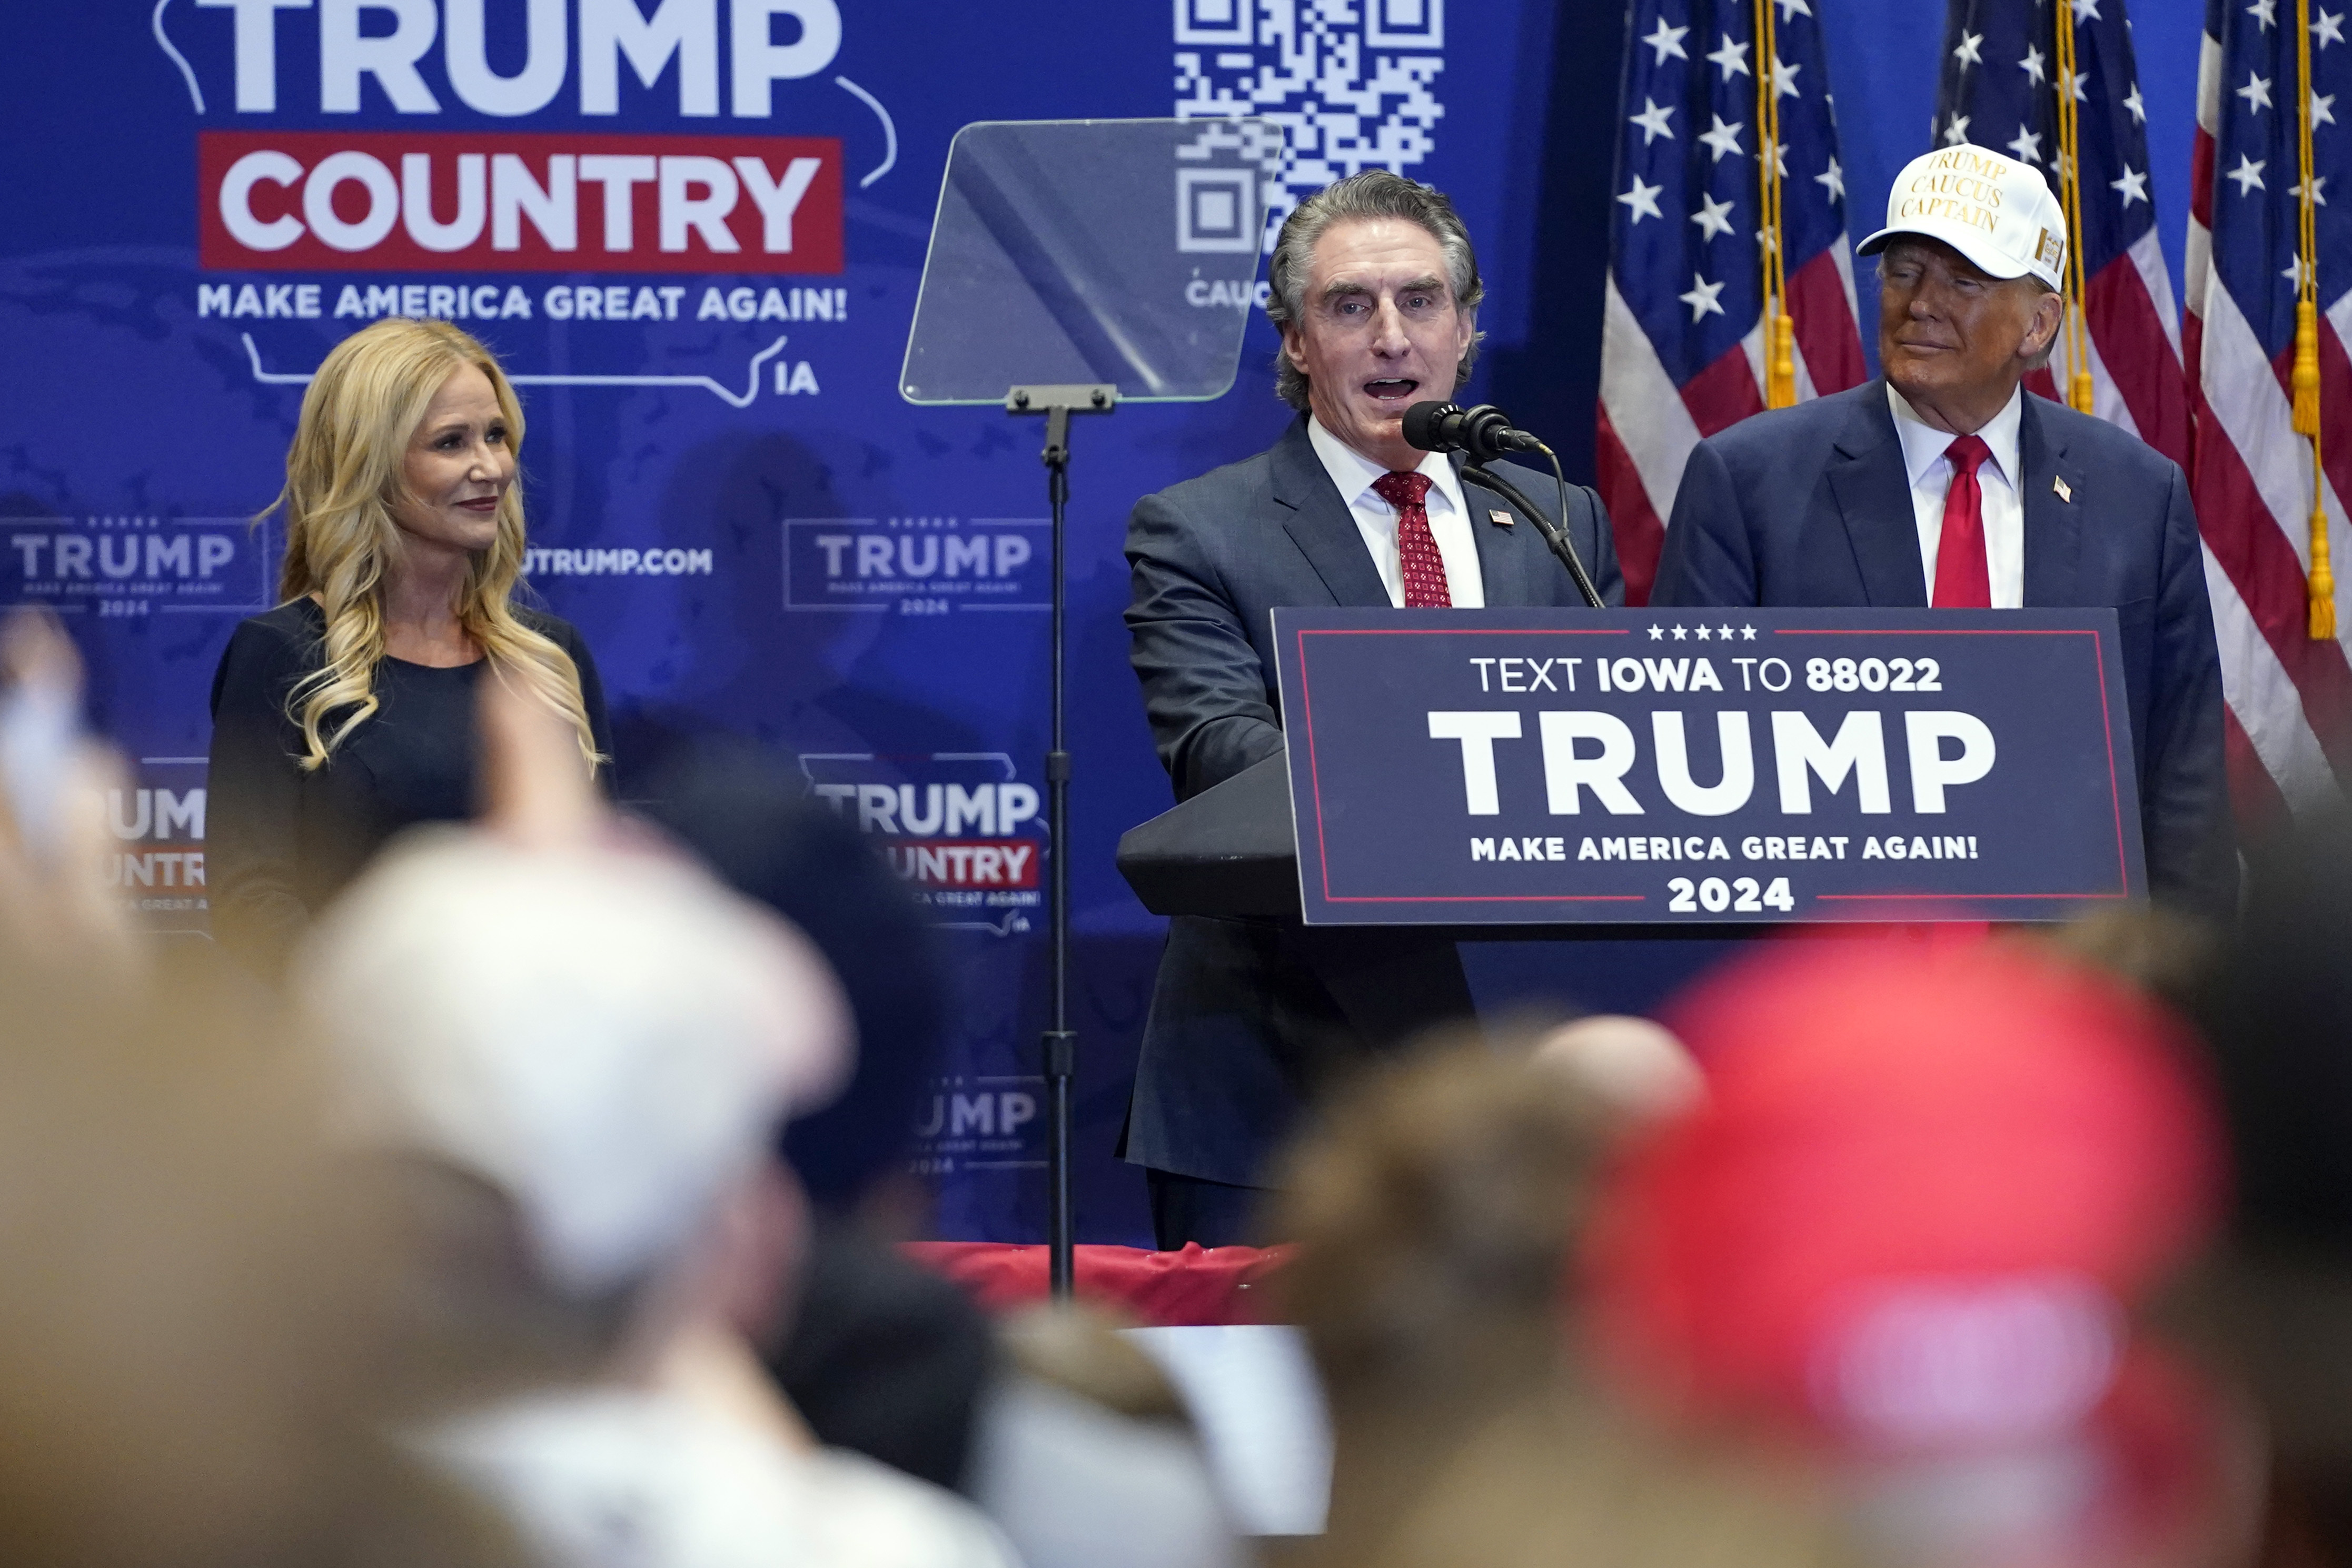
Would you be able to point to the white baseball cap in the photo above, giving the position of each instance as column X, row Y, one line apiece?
column 1992, row 209
column 608, row 1036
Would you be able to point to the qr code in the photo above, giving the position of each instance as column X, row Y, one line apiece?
column 1348, row 81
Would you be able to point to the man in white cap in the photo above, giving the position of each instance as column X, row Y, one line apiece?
column 1944, row 484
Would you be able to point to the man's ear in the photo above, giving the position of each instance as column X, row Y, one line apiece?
column 1293, row 341
column 2041, row 330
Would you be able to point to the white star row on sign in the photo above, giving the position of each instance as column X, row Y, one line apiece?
column 1652, row 120
column 1706, row 633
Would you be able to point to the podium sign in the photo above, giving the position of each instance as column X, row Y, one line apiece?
column 1543, row 766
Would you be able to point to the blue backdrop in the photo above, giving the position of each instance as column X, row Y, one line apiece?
column 727, row 494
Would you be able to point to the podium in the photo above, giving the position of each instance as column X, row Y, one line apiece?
column 1228, row 850
column 1518, row 773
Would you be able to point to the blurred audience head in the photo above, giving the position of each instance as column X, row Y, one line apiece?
column 1637, row 1064
column 2277, row 1309
column 595, row 1037
column 1086, row 1455
column 1431, row 1205
column 2156, row 950
column 1915, row 1223
column 752, row 822
column 1435, row 1207
column 194, row 1352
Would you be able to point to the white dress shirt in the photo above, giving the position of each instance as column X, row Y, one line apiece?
column 1376, row 520
column 1998, row 482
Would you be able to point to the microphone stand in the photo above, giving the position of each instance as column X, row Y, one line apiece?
column 1557, row 537
column 1060, row 1042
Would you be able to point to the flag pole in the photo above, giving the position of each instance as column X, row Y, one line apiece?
column 1779, row 332
column 2079, row 395
column 2320, row 584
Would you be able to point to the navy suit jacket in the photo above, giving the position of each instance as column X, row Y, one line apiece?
column 1811, row 506
column 1248, row 1016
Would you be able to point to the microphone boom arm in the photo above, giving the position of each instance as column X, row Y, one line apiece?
column 1557, row 537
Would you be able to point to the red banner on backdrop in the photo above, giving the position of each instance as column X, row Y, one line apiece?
column 493, row 201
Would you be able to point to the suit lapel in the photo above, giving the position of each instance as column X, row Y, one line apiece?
column 1874, row 499
column 2053, row 525
column 1504, row 580
column 1320, row 523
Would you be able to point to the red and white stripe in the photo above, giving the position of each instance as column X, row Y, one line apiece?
column 2290, row 721
column 1647, row 426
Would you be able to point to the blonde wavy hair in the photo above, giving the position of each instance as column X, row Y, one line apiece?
column 343, row 476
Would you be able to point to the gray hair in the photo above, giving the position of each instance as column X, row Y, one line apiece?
column 1374, row 194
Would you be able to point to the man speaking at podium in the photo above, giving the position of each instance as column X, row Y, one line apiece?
column 1376, row 290
column 1944, row 484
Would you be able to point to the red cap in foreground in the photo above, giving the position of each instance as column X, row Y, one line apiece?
column 1917, row 1205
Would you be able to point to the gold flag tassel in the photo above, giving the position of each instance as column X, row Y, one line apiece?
column 2320, row 589
column 1779, row 332
column 2070, row 195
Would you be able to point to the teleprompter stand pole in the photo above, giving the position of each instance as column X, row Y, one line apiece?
column 1057, row 403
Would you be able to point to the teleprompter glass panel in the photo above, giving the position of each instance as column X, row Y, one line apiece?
column 1092, row 251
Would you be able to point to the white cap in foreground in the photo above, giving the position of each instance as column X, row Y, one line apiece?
column 1992, row 209
column 606, row 1035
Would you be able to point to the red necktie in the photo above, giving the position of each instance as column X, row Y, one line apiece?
column 1423, row 567
column 1963, row 581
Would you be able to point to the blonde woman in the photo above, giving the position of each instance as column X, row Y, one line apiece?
column 347, row 713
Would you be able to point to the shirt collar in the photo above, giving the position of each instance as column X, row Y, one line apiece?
column 1354, row 473
column 1923, row 444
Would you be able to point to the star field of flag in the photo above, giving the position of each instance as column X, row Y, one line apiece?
column 1687, row 199
column 2290, row 695
column 2257, row 160
column 1998, row 89
column 1683, row 350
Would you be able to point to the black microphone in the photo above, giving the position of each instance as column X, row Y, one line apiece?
column 1485, row 432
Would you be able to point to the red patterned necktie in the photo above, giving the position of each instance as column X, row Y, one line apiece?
column 1963, row 581
column 1423, row 567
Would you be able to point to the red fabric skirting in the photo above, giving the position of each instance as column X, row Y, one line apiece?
column 1169, row 1290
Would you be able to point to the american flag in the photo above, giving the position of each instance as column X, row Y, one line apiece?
column 1682, row 347
column 2290, row 696
column 1999, row 89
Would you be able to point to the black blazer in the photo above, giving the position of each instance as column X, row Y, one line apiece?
column 1811, row 506
column 1248, row 1016
column 280, row 842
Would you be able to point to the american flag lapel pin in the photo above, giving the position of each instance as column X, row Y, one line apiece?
column 2065, row 492
column 1500, row 519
